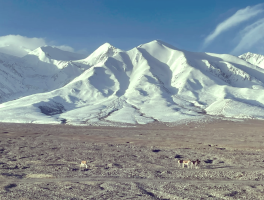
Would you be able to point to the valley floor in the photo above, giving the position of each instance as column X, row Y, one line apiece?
column 140, row 162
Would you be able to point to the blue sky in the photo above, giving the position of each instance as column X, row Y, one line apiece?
column 83, row 25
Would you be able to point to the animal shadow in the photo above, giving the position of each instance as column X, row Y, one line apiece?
column 178, row 156
column 232, row 194
column 19, row 176
column 216, row 167
column 209, row 161
column 221, row 148
column 10, row 186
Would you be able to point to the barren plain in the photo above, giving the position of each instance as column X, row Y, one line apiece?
column 134, row 162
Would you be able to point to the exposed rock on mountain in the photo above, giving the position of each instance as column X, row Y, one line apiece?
column 254, row 59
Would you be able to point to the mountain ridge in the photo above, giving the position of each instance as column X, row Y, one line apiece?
column 254, row 59
column 49, row 52
column 151, row 82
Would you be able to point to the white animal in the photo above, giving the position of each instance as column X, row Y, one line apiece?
column 184, row 162
column 84, row 164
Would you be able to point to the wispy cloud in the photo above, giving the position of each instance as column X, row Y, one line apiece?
column 18, row 45
column 65, row 48
column 250, row 36
column 236, row 19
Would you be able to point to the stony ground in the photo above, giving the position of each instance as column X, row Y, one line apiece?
column 42, row 161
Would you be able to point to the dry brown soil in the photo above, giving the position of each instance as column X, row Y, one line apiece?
column 140, row 162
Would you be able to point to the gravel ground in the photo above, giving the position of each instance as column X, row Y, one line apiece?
column 140, row 162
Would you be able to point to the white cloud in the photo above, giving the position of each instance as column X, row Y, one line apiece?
column 251, row 36
column 70, row 49
column 236, row 19
column 65, row 48
column 18, row 45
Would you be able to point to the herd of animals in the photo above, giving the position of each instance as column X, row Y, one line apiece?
column 189, row 163
column 183, row 163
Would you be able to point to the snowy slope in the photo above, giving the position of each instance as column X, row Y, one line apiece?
column 41, row 71
column 154, row 81
column 11, row 77
column 14, row 50
column 48, row 53
column 254, row 59
column 22, row 76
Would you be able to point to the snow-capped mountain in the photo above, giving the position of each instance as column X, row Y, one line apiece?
column 11, row 77
column 39, row 71
column 254, row 59
column 18, row 51
column 49, row 53
column 154, row 81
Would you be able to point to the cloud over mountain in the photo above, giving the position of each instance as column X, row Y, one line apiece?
column 239, row 17
column 20, row 46
column 251, row 35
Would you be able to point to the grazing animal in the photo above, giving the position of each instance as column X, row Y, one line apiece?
column 195, row 163
column 179, row 163
column 184, row 162
column 84, row 164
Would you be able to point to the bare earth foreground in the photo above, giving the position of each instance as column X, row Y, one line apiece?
column 42, row 161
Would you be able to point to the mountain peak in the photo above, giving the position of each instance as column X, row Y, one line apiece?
column 46, row 52
column 105, row 47
column 253, row 58
column 250, row 54
column 157, row 44
column 48, row 49
column 102, row 52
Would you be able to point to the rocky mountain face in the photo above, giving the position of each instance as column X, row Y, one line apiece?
column 254, row 59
